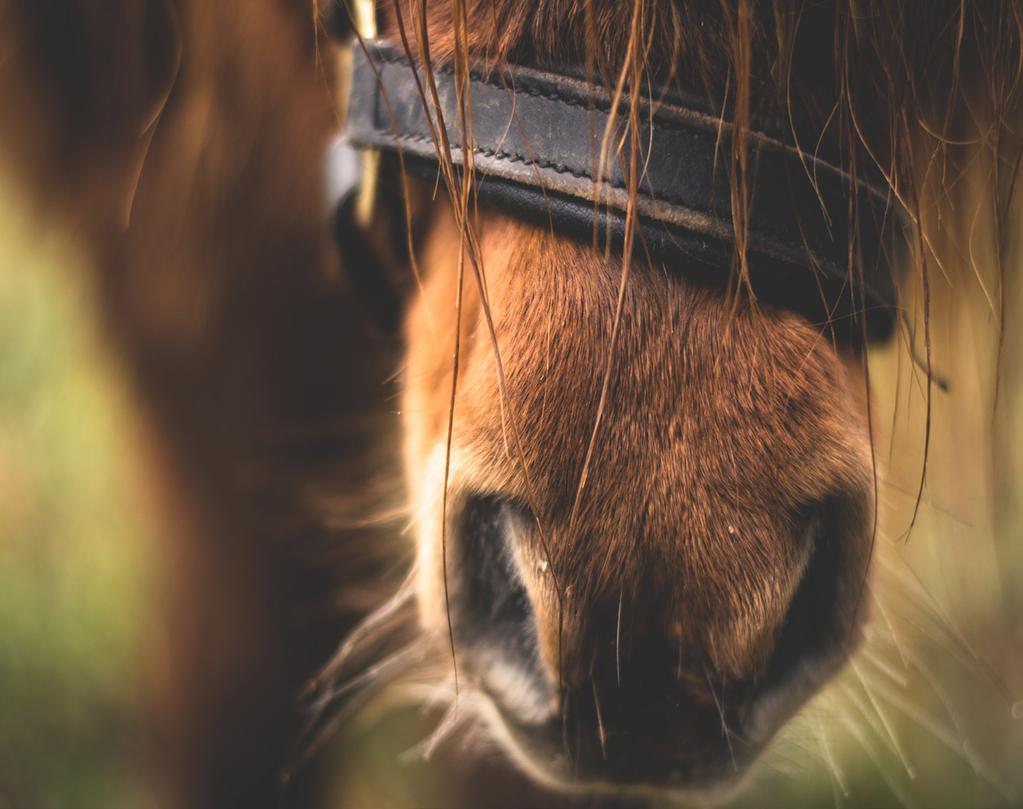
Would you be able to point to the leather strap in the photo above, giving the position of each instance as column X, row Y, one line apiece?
column 537, row 141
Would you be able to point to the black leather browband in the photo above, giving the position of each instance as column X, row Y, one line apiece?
column 537, row 143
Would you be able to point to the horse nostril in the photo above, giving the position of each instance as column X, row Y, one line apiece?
column 491, row 616
column 490, row 599
column 820, row 625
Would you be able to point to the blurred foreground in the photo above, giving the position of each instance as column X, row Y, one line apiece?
column 77, row 563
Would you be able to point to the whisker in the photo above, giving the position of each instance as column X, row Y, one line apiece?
column 829, row 759
column 933, row 627
column 895, row 637
column 371, row 675
column 618, row 641
column 323, row 715
column 938, row 689
column 796, row 763
column 445, row 728
column 378, row 520
column 929, row 603
column 961, row 747
column 402, row 598
column 929, row 502
column 876, row 718
column 897, row 789
column 874, row 658
column 601, row 735
column 906, row 598
column 725, row 732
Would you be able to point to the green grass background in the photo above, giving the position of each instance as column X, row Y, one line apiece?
column 74, row 543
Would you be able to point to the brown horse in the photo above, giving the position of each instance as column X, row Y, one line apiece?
column 643, row 504
column 643, row 508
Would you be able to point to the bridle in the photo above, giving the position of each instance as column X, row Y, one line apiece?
column 818, row 240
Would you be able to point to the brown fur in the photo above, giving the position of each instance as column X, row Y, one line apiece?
column 723, row 422
column 666, row 444
column 719, row 432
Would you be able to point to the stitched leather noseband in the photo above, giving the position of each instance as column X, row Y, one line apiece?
column 537, row 143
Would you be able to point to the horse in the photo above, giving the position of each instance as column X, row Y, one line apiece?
column 643, row 494
column 644, row 505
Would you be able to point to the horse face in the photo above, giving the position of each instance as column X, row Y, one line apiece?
column 648, row 617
